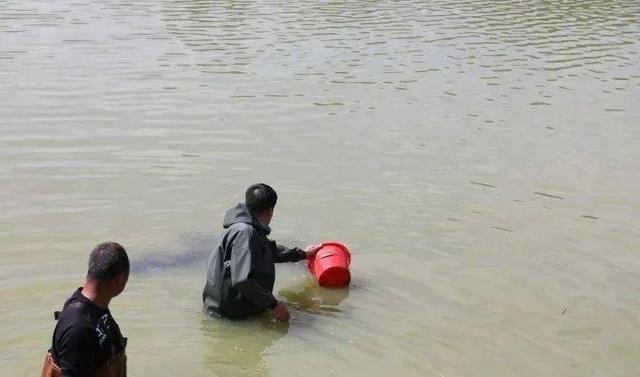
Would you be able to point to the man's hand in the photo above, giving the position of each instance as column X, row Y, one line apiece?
column 311, row 250
column 280, row 312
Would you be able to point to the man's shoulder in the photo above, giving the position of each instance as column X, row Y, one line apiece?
column 241, row 227
column 74, row 327
column 78, row 315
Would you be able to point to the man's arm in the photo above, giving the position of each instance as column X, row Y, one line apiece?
column 282, row 253
column 76, row 351
column 243, row 244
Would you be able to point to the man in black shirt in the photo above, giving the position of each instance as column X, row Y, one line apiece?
column 87, row 340
column 241, row 271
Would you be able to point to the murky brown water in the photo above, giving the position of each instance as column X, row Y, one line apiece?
column 480, row 157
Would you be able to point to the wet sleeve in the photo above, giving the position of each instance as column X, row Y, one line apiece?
column 76, row 352
column 241, row 260
column 284, row 254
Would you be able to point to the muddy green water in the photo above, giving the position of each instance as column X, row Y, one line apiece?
column 481, row 158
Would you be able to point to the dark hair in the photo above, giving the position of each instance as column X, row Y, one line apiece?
column 260, row 197
column 107, row 260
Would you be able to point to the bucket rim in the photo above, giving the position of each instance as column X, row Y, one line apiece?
column 341, row 246
column 338, row 244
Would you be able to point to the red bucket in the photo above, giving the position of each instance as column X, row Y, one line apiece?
column 330, row 265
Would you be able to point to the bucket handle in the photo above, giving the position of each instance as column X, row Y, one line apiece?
column 332, row 254
column 339, row 244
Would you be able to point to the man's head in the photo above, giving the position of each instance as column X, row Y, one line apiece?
column 260, row 198
column 109, row 267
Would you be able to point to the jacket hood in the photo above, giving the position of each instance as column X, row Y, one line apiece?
column 240, row 213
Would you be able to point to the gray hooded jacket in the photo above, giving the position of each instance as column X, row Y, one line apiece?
column 241, row 270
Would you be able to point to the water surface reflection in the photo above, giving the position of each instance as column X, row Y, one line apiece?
column 310, row 298
column 238, row 348
column 481, row 156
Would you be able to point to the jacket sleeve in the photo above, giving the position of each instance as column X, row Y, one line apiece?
column 244, row 243
column 284, row 254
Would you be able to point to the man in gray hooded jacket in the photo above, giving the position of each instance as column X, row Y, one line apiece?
column 241, row 270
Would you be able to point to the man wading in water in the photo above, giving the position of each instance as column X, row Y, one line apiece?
column 87, row 341
column 241, row 269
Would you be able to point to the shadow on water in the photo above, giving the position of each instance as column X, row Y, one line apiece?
column 237, row 348
column 193, row 248
column 310, row 298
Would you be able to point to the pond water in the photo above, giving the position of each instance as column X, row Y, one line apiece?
column 479, row 157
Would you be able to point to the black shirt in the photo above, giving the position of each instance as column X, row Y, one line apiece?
column 86, row 336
